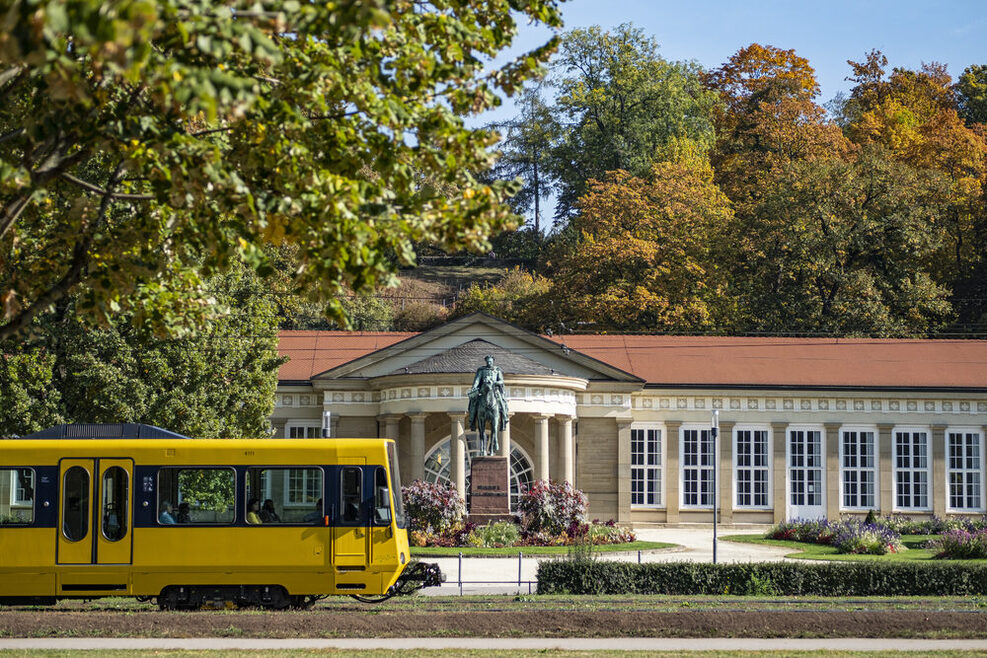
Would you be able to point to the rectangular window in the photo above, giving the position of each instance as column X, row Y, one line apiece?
column 697, row 468
column 911, row 469
column 965, row 469
column 286, row 494
column 751, row 467
column 196, row 496
column 805, row 468
column 309, row 431
column 351, row 493
column 858, row 466
column 16, row 496
column 646, row 467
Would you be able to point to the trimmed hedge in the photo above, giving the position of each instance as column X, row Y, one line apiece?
column 575, row 576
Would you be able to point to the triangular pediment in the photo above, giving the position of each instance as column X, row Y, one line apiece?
column 460, row 346
column 470, row 356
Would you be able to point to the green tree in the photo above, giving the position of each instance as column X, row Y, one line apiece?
column 30, row 401
column 649, row 258
column 526, row 151
column 621, row 103
column 145, row 146
column 519, row 296
column 971, row 90
column 843, row 248
column 219, row 382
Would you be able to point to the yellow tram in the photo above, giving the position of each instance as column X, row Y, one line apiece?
column 194, row 523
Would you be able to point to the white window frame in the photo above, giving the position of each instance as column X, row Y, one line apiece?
column 823, row 466
column 767, row 468
column 874, row 469
column 287, row 503
column 699, row 467
column 964, row 469
column 896, row 471
column 307, row 424
column 646, row 468
column 15, row 501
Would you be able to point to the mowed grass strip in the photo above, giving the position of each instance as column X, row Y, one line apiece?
column 476, row 653
column 915, row 545
column 534, row 551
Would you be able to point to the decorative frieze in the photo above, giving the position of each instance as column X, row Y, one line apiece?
column 800, row 405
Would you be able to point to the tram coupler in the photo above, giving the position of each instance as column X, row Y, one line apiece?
column 419, row 575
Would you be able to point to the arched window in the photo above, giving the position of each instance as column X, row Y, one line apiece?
column 437, row 468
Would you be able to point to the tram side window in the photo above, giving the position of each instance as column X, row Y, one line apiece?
column 351, row 494
column 197, row 496
column 115, row 503
column 75, row 504
column 382, row 498
column 16, row 496
column 285, row 494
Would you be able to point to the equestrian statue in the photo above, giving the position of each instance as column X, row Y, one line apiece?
column 488, row 404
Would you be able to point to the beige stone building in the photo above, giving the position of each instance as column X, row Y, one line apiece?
column 807, row 427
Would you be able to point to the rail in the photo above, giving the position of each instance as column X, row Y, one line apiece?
column 519, row 582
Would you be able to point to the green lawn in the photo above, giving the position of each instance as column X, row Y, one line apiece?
column 913, row 543
column 512, row 551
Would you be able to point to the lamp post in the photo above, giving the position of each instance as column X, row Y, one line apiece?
column 326, row 416
column 715, row 425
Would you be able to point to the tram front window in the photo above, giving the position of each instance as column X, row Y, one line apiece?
column 392, row 462
column 382, row 498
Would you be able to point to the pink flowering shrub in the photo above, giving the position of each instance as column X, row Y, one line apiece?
column 961, row 545
column 551, row 507
column 433, row 509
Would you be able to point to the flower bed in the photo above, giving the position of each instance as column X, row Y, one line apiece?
column 847, row 535
column 961, row 545
column 549, row 514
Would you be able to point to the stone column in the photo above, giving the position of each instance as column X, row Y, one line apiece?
column 671, row 473
column 779, row 491
column 885, row 459
column 832, row 461
column 457, row 453
column 624, row 470
column 390, row 424
column 568, row 450
column 726, row 471
column 334, row 426
column 505, row 440
column 416, row 453
column 938, row 491
column 541, row 446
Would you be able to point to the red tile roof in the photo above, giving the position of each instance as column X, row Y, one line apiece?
column 739, row 361
column 312, row 352
column 711, row 360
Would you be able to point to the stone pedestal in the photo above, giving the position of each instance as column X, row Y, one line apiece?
column 490, row 491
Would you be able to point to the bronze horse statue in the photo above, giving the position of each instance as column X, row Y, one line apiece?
column 488, row 405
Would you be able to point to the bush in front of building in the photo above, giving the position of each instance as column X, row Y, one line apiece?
column 590, row 576
column 552, row 508
column 436, row 514
column 936, row 525
column 846, row 535
column 961, row 545
column 495, row 535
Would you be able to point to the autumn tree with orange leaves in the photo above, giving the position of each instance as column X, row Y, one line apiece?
column 650, row 254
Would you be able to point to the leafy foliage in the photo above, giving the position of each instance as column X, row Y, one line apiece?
column 551, row 507
column 760, row 578
column 847, row 535
column 218, row 383
column 519, row 297
column 433, row 508
column 961, row 545
column 144, row 146
column 650, row 251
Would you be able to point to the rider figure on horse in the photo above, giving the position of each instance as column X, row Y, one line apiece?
column 488, row 402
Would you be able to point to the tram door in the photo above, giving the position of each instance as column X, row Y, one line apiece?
column 351, row 536
column 94, row 511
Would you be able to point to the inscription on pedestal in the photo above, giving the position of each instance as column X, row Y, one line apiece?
column 489, row 490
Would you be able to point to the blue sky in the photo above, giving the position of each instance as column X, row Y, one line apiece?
column 827, row 33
